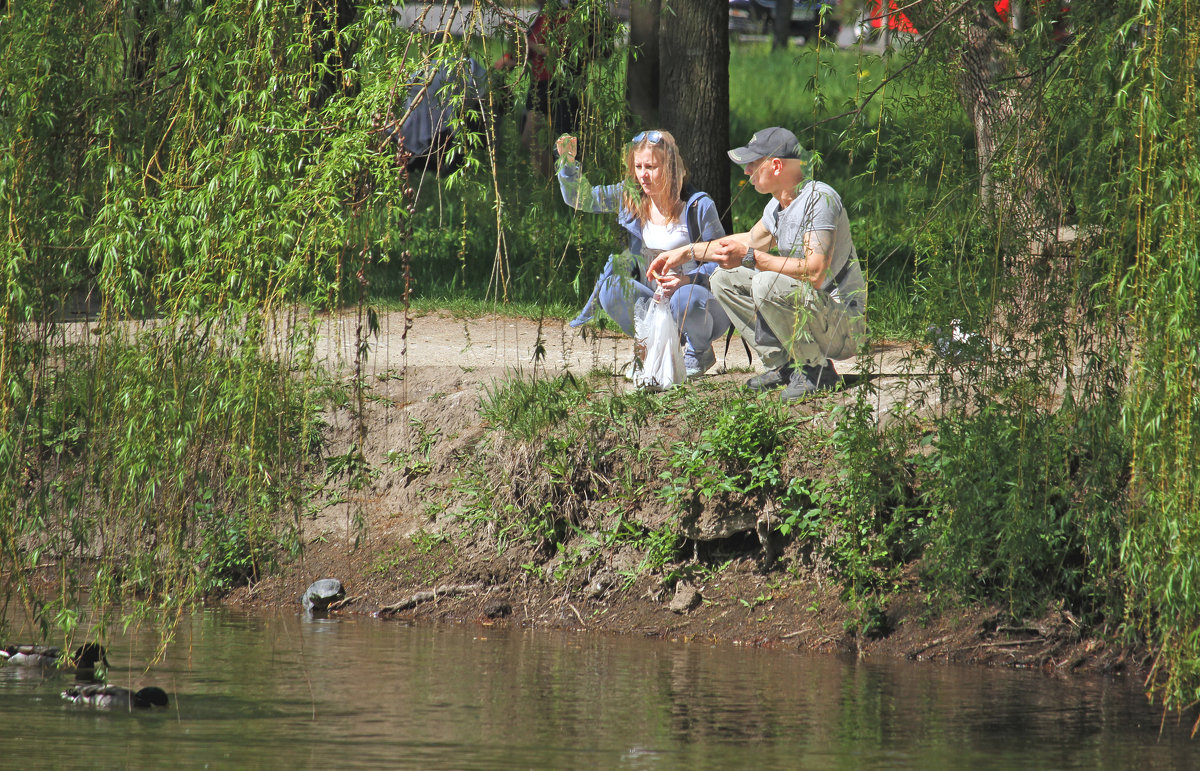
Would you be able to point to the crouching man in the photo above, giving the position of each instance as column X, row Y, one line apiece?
column 804, row 305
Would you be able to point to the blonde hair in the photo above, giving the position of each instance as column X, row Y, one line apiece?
column 666, row 149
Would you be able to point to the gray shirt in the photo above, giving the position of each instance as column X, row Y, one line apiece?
column 818, row 207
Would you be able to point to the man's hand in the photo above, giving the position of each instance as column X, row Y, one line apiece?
column 729, row 253
column 662, row 264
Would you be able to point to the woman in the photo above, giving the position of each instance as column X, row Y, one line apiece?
column 652, row 208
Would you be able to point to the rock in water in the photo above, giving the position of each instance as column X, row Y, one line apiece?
column 321, row 594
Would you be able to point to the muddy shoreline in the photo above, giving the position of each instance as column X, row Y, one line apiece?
column 396, row 543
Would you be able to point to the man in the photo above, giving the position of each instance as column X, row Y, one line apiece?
column 805, row 305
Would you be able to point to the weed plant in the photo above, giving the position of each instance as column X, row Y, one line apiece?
column 214, row 177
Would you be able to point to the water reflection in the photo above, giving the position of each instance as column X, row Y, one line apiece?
column 282, row 691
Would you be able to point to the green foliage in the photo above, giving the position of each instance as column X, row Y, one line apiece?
column 212, row 177
column 740, row 453
column 191, row 172
column 1006, row 523
column 528, row 409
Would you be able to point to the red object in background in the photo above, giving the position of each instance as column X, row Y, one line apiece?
column 899, row 22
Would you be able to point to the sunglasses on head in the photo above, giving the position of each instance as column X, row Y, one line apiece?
column 653, row 137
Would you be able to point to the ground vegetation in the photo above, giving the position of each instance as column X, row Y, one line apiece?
column 191, row 190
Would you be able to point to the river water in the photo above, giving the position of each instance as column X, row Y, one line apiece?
column 282, row 691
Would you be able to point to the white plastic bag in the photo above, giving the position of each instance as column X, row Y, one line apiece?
column 658, row 346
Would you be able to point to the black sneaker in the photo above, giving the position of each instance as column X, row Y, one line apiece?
column 808, row 380
column 772, row 378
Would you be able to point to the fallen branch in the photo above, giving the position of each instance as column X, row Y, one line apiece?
column 932, row 644
column 420, row 597
column 1001, row 644
column 345, row 601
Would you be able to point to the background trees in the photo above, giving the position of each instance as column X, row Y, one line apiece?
column 679, row 79
column 1032, row 186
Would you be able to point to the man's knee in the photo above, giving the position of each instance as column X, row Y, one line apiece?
column 771, row 286
column 722, row 284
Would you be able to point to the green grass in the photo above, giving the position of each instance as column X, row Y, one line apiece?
column 550, row 254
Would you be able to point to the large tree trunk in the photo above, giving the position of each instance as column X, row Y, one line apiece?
column 641, row 73
column 999, row 100
column 694, row 90
column 783, row 25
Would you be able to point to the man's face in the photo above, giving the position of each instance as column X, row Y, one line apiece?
column 759, row 173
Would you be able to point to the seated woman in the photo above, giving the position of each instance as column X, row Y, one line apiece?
column 652, row 208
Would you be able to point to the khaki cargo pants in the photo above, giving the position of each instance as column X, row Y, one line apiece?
column 786, row 320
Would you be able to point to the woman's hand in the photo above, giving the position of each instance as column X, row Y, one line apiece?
column 567, row 147
column 669, row 282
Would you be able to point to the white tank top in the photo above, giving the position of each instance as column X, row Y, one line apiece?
column 663, row 237
column 659, row 238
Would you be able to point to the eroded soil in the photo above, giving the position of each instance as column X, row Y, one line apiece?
column 398, row 543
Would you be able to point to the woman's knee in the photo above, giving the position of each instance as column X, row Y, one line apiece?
column 618, row 298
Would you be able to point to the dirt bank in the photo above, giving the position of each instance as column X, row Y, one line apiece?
column 397, row 543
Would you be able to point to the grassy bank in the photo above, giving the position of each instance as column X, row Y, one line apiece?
column 216, row 175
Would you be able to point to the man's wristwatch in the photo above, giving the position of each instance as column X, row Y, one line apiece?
column 748, row 260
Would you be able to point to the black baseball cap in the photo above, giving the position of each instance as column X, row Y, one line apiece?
column 774, row 142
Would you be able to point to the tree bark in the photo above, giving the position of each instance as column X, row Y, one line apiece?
column 694, row 91
column 783, row 25
column 641, row 73
column 997, row 100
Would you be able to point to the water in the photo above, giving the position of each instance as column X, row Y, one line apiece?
column 284, row 692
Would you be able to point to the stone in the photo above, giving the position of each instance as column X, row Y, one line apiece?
column 321, row 594
column 498, row 608
column 686, row 598
column 712, row 524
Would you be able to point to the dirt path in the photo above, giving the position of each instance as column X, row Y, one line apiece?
column 488, row 347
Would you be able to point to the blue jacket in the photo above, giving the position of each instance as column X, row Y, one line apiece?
column 700, row 215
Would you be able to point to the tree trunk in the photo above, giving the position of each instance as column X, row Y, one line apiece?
column 329, row 18
column 694, row 89
column 641, row 74
column 998, row 103
column 783, row 24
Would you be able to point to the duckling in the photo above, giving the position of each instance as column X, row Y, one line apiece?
column 116, row 697
column 84, row 659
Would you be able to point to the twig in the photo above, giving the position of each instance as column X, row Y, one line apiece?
column 345, row 601
column 420, row 597
column 1001, row 644
column 576, row 612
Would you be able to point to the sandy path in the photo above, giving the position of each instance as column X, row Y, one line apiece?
column 489, row 347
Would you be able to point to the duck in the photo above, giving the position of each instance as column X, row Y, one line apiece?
column 84, row 659
column 103, row 696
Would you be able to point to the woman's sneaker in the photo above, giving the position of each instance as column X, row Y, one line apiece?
column 696, row 364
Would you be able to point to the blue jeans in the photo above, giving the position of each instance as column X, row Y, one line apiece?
column 700, row 318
